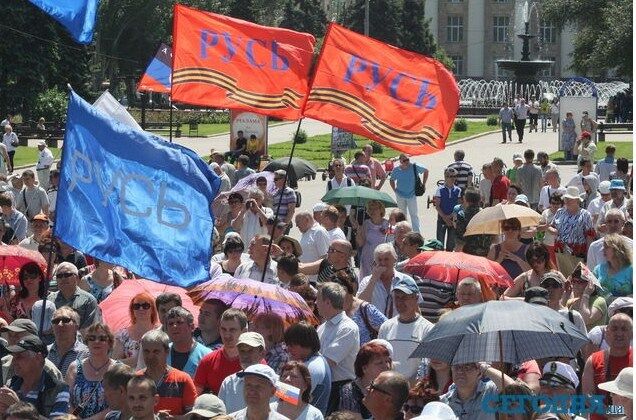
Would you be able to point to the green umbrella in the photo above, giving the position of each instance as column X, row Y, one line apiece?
column 357, row 196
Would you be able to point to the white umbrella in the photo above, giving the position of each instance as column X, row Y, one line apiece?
column 488, row 221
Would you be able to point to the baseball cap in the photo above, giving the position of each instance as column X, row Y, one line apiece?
column 552, row 275
column 560, row 374
column 536, row 295
column 617, row 184
column 432, row 245
column 436, row 410
column 320, row 206
column 252, row 339
column 604, row 187
column 21, row 325
column 41, row 217
column 517, row 157
column 208, row 405
column 29, row 342
column 280, row 173
column 522, row 198
column 41, row 143
column 623, row 385
column 407, row 285
column 263, row 371
column 620, row 303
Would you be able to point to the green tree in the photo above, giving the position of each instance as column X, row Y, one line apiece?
column 604, row 33
column 36, row 54
column 385, row 19
column 304, row 16
column 417, row 35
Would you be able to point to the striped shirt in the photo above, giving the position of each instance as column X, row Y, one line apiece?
column 464, row 173
column 289, row 197
column 63, row 361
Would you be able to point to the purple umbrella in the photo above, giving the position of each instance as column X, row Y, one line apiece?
column 254, row 297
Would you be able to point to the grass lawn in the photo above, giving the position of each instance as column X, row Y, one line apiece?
column 623, row 149
column 29, row 155
column 206, row 130
column 318, row 148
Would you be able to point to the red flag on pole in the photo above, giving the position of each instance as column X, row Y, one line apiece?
column 222, row 62
column 401, row 99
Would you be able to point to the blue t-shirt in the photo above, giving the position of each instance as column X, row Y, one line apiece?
column 448, row 197
column 194, row 357
column 320, row 374
column 405, row 179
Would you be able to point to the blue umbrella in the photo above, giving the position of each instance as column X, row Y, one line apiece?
column 509, row 331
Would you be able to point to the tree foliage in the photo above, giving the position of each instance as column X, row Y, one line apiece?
column 36, row 54
column 604, row 33
column 304, row 16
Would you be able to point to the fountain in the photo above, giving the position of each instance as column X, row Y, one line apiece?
column 525, row 70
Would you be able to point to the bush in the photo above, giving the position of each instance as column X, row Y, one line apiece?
column 51, row 104
column 461, row 125
column 492, row 120
column 301, row 137
column 377, row 148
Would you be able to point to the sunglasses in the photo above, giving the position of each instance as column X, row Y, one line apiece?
column 64, row 275
column 102, row 338
column 415, row 409
column 374, row 387
column 138, row 306
column 62, row 320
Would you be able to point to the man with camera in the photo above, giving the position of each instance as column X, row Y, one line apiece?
column 252, row 218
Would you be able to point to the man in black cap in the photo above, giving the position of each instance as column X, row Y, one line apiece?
column 17, row 330
column 31, row 383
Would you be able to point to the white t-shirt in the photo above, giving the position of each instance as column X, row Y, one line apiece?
column 595, row 207
column 308, row 413
column 336, row 233
column 405, row 338
column 314, row 243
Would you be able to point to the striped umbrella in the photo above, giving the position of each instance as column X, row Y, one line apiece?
column 508, row 331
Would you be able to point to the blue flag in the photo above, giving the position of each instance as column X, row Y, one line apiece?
column 78, row 16
column 132, row 199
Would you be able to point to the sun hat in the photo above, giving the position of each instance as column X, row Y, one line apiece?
column 517, row 157
column 320, row 206
column 298, row 250
column 617, row 184
column 263, row 371
column 620, row 303
column 436, row 410
column 522, row 198
column 208, row 405
column 384, row 344
column 623, row 385
column 572, row 192
column 604, row 187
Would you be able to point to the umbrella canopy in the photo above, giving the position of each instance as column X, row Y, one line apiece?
column 249, row 182
column 508, row 331
column 488, row 221
column 13, row 258
column 255, row 297
column 299, row 168
column 115, row 306
column 451, row 267
column 357, row 195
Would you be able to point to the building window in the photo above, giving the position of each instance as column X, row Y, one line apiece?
column 547, row 32
column 455, row 1
column 455, row 29
column 549, row 72
column 458, row 63
column 500, row 28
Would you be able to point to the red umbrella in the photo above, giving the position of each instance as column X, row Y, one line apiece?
column 115, row 306
column 13, row 258
column 451, row 267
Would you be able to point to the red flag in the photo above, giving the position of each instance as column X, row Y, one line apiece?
column 224, row 62
column 398, row 98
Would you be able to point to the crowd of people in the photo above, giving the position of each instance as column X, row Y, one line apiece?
column 349, row 265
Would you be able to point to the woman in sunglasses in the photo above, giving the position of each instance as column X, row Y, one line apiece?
column 84, row 378
column 143, row 317
column 32, row 288
column 538, row 258
column 510, row 253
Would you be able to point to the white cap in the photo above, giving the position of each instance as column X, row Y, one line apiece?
column 604, row 187
column 320, row 206
column 384, row 344
column 561, row 373
column 623, row 385
column 41, row 143
column 436, row 410
column 263, row 371
column 207, row 405
column 620, row 303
